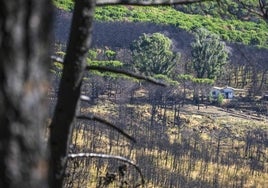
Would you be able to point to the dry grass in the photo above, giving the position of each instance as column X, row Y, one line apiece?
column 193, row 141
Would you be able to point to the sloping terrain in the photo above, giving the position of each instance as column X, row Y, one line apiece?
column 209, row 147
column 117, row 35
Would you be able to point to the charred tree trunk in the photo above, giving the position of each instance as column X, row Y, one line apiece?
column 263, row 79
column 69, row 91
column 24, row 46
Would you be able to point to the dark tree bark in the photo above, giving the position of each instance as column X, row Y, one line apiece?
column 263, row 79
column 24, row 46
column 69, row 91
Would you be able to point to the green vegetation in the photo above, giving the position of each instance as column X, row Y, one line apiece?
column 110, row 54
column 189, row 78
column 64, row 4
column 165, row 79
column 228, row 9
column 232, row 29
column 104, row 63
column 92, row 55
column 152, row 54
column 209, row 54
column 220, row 99
column 178, row 146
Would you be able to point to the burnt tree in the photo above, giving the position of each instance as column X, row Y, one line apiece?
column 24, row 51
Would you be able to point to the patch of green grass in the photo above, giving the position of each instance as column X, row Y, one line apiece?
column 64, row 4
column 246, row 32
column 233, row 30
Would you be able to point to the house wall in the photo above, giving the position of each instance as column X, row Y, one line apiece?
column 228, row 93
column 215, row 92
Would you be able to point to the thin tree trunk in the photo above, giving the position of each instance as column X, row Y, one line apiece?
column 69, row 91
column 24, row 46
column 244, row 76
column 263, row 79
column 254, row 84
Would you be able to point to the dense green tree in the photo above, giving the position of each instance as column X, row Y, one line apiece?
column 209, row 54
column 152, row 54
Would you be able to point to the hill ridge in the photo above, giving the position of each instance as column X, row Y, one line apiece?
column 120, row 35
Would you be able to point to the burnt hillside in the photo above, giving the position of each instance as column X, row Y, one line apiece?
column 121, row 34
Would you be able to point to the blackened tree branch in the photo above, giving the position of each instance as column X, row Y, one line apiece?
column 109, row 124
column 114, row 70
column 124, row 72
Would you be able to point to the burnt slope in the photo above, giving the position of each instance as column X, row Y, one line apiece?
column 120, row 35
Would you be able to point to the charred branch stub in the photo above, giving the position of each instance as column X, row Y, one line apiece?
column 106, row 180
column 109, row 124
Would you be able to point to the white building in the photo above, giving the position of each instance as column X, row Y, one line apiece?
column 227, row 92
column 215, row 91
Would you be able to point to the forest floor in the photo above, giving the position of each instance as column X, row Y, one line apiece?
column 204, row 144
column 223, row 111
column 212, row 118
column 231, row 141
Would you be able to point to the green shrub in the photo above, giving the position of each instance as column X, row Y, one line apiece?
column 220, row 99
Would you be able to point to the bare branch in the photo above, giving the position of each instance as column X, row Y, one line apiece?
column 261, row 13
column 264, row 8
column 124, row 72
column 146, row 2
column 84, row 98
column 105, row 156
column 109, row 124
column 114, row 70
